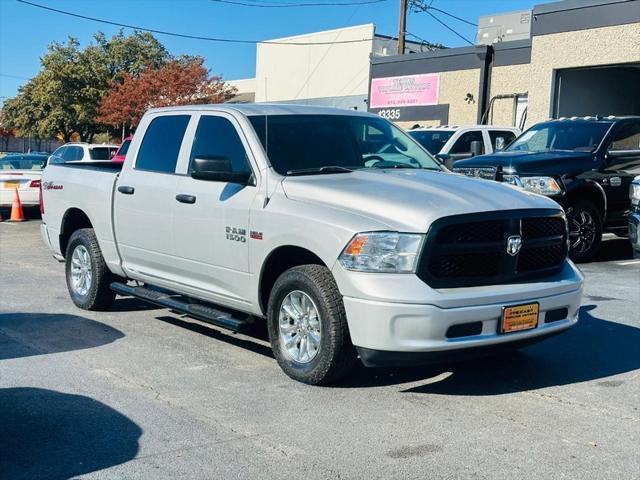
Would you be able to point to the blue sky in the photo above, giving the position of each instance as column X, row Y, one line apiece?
column 26, row 31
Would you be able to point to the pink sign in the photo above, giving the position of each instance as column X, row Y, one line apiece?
column 405, row 91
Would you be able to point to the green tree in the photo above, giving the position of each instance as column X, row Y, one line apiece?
column 62, row 99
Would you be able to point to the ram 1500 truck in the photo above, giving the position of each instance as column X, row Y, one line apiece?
column 334, row 226
column 585, row 164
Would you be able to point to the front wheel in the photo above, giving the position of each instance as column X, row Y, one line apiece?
column 308, row 326
column 88, row 278
column 585, row 231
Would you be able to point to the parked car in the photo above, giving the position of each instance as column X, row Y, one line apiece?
column 585, row 164
column 450, row 143
column 634, row 216
column 83, row 152
column 122, row 151
column 334, row 226
column 21, row 171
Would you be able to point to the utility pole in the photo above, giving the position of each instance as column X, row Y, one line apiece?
column 402, row 27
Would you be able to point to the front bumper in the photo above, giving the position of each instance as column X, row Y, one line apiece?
column 634, row 232
column 391, row 324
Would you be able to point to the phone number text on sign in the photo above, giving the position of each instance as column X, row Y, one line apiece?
column 405, row 91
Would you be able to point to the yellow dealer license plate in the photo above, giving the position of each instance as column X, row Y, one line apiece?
column 520, row 317
column 11, row 185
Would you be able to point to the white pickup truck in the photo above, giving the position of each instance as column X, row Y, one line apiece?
column 450, row 143
column 334, row 226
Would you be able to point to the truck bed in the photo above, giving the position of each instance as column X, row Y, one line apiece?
column 73, row 190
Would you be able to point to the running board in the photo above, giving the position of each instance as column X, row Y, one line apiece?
column 199, row 311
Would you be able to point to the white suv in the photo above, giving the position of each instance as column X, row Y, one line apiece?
column 450, row 143
column 83, row 152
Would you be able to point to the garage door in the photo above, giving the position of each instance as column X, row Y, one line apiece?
column 606, row 90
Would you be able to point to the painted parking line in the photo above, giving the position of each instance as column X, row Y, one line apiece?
column 630, row 262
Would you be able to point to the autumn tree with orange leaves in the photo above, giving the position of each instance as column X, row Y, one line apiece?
column 178, row 82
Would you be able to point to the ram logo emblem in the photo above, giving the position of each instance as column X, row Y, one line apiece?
column 514, row 244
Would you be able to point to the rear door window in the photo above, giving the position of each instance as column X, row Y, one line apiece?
column 161, row 144
column 101, row 153
column 507, row 138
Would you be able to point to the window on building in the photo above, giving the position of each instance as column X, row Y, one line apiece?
column 161, row 144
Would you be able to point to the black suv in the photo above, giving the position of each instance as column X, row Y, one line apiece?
column 585, row 164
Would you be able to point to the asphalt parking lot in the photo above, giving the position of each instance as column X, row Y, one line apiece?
column 141, row 393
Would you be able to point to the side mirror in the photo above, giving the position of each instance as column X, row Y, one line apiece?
column 217, row 169
column 446, row 159
column 499, row 143
column 613, row 154
column 476, row 148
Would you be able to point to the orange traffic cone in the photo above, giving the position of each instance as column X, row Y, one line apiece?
column 16, row 208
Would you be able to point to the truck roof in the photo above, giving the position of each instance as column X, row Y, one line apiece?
column 251, row 109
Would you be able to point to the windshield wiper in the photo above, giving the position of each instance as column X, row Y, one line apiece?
column 319, row 170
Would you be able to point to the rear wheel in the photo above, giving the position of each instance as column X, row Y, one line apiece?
column 585, row 230
column 88, row 277
column 308, row 326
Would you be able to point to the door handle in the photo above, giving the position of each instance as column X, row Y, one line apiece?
column 182, row 198
column 126, row 190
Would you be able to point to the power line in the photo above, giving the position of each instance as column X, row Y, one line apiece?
column 452, row 16
column 420, row 6
column 448, row 27
column 295, row 5
column 183, row 35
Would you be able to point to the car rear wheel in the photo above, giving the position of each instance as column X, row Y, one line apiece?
column 308, row 326
column 88, row 278
column 585, row 231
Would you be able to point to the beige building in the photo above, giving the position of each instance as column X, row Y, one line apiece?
column 322, row 68
column 582, row 58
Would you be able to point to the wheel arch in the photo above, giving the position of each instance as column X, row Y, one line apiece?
column 277, row 262
column 592, row 191
column 72, row 220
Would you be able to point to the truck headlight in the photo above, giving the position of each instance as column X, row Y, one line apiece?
column 634, row 194
column 541, row 185
column 382, row 252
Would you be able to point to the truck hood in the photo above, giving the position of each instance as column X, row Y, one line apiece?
column 409, row 200
column 552, row 163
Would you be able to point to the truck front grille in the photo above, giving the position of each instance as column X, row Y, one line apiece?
column 488, row 173
column 471, row 250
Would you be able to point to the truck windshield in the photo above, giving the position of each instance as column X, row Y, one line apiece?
column 313, row 144
column 432, row 140
column 565, row 135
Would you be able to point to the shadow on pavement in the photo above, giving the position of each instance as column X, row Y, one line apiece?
column 593, row 349
column 28, row 334
column 131, row 304
column 48, row 434
column 614, row 249
column 258, row 332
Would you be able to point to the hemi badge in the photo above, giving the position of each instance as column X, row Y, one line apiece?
column 255, row 235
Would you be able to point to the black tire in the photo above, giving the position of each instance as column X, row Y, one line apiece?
column 585, row 230
column 336, row 355
column 98, row 295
